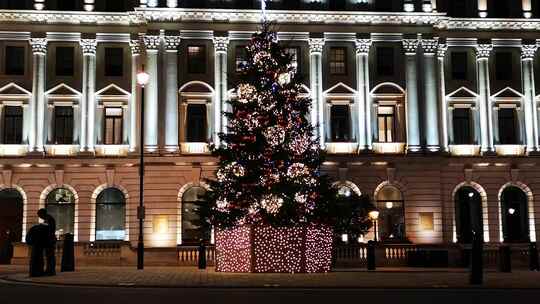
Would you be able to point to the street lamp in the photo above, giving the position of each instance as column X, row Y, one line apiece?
column 374, row 215
column 142, row 80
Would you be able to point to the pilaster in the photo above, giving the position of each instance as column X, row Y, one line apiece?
column 363, row 97
column 483, row 52
column 171, row 94
column 37, row 106
column 431, row 122
column 88, row 102
column 221, row 46
column 528, row 52
column 316, row 46
column 152, row 43
column 410, row 47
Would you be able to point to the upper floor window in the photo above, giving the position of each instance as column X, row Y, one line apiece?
column 338, row 61
column 15, row 60
column 508, row 126
column 113, row 126
column 196, row 123
column 115, row 6
column 241, row 58
column 65, row 61
column 460, row 8
column 340, row 119
column 63, row 125
column 14, row 4
column 385, row 61
column 13, row 125
column 66, row 5
column 384, row 5
column 294, row 52
column 462, row 124
column 114, row 62
column 459, row 65
column 504, row 8
column 503, row 66
column 196, row 59
column 386, row 116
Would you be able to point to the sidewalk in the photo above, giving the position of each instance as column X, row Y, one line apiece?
column 192, row 277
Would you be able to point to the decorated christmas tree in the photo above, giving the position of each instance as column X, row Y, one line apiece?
column 269, row 170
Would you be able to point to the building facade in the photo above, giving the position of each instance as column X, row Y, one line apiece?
column 429, row 107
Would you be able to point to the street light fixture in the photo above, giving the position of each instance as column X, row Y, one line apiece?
column 374, row 215
column 142, row 80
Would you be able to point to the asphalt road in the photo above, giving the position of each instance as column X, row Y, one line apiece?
column 38, row 294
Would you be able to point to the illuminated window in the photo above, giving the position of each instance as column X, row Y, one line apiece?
column 294, row 52
column 462, row 124
column 340, row 119
column 385, row 61
column 60, row 204
column 13, row 125
column 15, row 57
column 65, row 61
column 515, row 215
column 459, row 65
column 113, row 126
column 110, row 215
column 241, row 58
column 386, row 116
column 63, row 125
column 192, row 227
column 196, row 59
column 391, row 208
column 338, row 61
column 196, row 123
column 114, row 62
column 508, row 126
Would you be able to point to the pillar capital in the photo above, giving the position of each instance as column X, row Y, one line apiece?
column 172, row 43
column 410, row 46
column 430, row 46
column 39, row 45
column 441, row 50
column 152, row 42
column 483, row 51
column 221, row 44
column 316, row 45
column 528, row 51
column 363, row 46
column 88, row 46
column 135, row 46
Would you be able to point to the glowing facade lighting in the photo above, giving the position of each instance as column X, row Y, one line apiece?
column 143, row 78
column 374, row 215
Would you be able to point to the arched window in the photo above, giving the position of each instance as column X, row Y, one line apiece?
column 514, row 215
column 11, row 216
column 60, row 204
column 347, row 189
column 392, row 214
column 110, row 215
column 468, row 204
column 192, row 230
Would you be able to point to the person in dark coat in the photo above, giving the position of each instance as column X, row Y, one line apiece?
column 50, row 254
column 38, row 239
column 202, row 255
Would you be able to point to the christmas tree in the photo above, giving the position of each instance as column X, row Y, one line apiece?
column 270, row 159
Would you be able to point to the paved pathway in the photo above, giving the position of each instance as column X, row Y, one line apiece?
column 192, row 277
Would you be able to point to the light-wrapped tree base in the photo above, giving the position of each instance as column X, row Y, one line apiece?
column 265, row 249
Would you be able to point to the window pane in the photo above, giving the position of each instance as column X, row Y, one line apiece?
column 385, row 61
column 196, row 123
column 60, row 204
column 192, row 231
column 462, row 126
column 15, row 60
column 13, row 125
column 503, row 65
column 110, row 215
column 340, row 119
column 508, row 127
column 338, row 61
column 113, row 126
column 114, row 62
column 63, row 125
column 241, row 56
column 65, row 61
column 294, row 53
column 386, row 123
column 196, row 59
column 392, row 214
column 459, row 65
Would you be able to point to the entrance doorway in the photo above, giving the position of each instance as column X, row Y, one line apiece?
column 11, row 218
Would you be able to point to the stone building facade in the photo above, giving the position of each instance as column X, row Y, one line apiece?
column 429, row 107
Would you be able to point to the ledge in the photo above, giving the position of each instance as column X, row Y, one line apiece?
column 342, row 148
column 13, row 150
column 464, row 150
column 389, row 148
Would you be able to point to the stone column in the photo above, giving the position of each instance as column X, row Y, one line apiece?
column 37, row 106
column 89, row 5
column 172, row 3
column 88, row 101
column 151, row 94
column 528, row 53
column 408, row 6
column 441, row 53
column 363, row 98
column 427, row 6
column 134, row 102
column 431, row 117
column 526, row 6
column 143, row 3
column 483, row 51
column 316, row 46
column 39, row 4
column 482, row 8
column 221, row 45
column 171, row 94
column 152, row 3
column 413, row 126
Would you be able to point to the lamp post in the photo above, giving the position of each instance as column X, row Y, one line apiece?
column 374, row 215
column 142, row 80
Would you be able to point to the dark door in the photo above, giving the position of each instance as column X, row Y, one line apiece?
column 514, row 215
column 11, row 216
column 468, row 214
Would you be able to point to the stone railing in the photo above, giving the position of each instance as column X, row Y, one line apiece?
column 103, row 249
column 189, row 255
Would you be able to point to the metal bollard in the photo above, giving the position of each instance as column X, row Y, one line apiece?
column 371, row 256
column 477, row 255
column 202, row 255
column 68, row 254
column 534, row 264
column 505, row 259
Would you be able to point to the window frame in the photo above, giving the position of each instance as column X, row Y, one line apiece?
column 18, row 128
column 71, row 71
column 516, row 140
column 335, row 61
column 456, row 74
column 386, row 117
column 116, row 119
column 380, row 68
column 334, row 138
column 188, row 129
column 298, row 61
column 123, row 204
column 68, row 125
column 7, row 60
column 197, row 64
column 109, row 67
column 470, row 129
